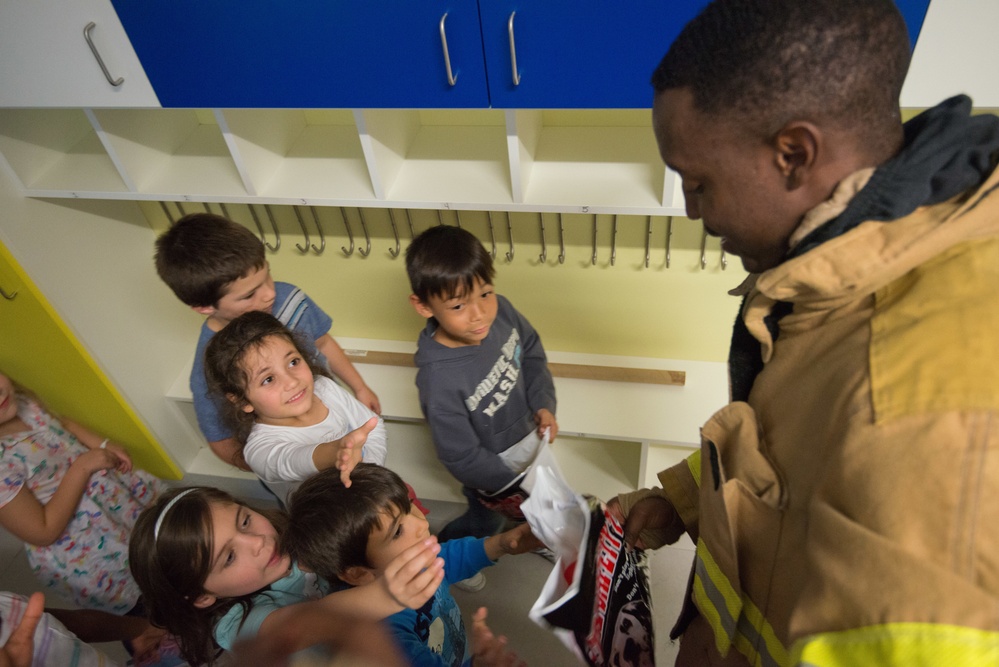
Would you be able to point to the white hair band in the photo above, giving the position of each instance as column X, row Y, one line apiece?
column 163, row 513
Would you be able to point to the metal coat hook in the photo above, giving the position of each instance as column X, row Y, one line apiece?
column 260, row 228
column 724, row 260
column 593, row 260
column 166, row 210
column 350, row 234
column 509, row 229
column 395, row 232
column 301, row 223
column 561, row 240
column 648, row 240
column 544, row 242
column 669, row 237
column 614, row 241
column 8, row 295
column 704, row 245
column 367, row 239
column 409, row 219
column 322, row 237
column 492, row 235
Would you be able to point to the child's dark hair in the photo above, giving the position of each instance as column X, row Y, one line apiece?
column 764, row 62
column 171, row 565
column 202, row 253
column 444, row 261
column 224, row 369
column 329, row 524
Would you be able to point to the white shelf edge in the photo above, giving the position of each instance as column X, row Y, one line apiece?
column 358, row 203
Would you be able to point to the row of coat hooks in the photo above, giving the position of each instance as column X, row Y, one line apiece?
column 396, row 250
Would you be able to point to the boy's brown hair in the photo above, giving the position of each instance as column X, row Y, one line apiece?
column 329, row 524
column 202, row 253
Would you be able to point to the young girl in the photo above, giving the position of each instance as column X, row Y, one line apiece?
column 292, row 418
column 212, row 570
column 73, row 498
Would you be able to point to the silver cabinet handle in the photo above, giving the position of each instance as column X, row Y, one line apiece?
column 451, row 78
column 9, row 296
column 100, row 61
column 513, row 50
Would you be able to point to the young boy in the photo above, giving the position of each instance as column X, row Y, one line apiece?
column 218, row 268
column 353, row 533
column 483, row 376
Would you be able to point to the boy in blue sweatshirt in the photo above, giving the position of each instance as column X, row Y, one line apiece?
column 352, row 534
column 483, row 378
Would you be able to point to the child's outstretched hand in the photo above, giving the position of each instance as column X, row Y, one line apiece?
column 488, row 650
column 414, row 575
column 519, row 540
column 350, row 450
column 546, row 420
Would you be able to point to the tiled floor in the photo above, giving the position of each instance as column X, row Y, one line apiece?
column 512, row 586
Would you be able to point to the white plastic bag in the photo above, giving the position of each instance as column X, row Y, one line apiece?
column 597, row 599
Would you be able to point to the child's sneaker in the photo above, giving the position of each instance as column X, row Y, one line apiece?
column 473, row 584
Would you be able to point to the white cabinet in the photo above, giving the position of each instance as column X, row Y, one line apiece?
column 45, row 59
column 572, row 161
column 955, row 54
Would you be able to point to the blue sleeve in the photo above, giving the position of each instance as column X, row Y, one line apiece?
column 298, row 312
column 463, row 558
column 207, row 407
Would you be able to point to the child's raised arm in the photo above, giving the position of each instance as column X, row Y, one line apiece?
column 409, row 581
column 517, row 540
column 344, row 453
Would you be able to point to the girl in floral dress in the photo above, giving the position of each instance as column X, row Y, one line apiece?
column 73, row 498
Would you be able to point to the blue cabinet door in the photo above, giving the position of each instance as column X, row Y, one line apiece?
column 307, row 53
column 591, row 53
column 579, row 53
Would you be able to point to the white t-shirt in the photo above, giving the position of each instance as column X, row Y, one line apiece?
column 282, row 455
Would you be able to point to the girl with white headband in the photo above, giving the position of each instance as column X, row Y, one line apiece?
column 212, row 570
